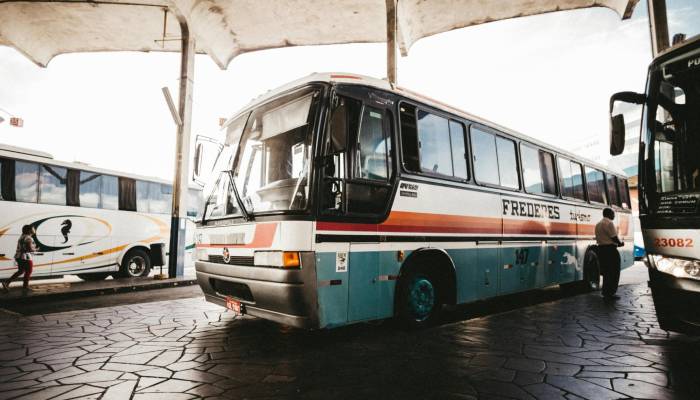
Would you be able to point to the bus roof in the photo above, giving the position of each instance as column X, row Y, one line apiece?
column 46, row 158
column 362, row 80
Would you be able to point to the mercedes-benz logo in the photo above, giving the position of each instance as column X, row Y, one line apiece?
column 227, row 255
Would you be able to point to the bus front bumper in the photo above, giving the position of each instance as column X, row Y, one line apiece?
column 677, row 302
column 284, row 296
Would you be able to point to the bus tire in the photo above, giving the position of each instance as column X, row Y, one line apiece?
column 100, row 276
column 419, row 299
column 591, row 271
column 136, row 264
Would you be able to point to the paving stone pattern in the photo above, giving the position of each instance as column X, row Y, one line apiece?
column 574, row 348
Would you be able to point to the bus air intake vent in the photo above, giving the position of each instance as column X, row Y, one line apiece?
column 242, row 261
column 237, row 290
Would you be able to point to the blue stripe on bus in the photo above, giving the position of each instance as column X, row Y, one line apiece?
column 481, row 273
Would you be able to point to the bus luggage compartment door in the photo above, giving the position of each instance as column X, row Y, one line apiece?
column 363, row 289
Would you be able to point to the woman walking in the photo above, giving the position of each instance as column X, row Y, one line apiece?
column 23, row 257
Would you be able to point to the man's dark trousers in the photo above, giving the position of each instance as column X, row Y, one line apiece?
column 609, row 259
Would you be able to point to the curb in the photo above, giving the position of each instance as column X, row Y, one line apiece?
column 66, row 295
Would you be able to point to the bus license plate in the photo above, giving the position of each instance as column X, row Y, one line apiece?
column 235, row 306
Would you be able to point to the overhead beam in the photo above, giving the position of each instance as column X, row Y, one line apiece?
column 391, row 41
column 658, row 26
column 178, row 221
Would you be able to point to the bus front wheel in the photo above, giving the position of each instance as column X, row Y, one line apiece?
column 418, row 300
column 136, row 264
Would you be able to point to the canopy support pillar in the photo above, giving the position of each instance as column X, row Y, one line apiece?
column 178, row 221
column 391, row 41
column 658, row 26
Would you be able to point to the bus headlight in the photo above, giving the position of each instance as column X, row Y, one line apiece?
column 677, row 267
column 282, row 259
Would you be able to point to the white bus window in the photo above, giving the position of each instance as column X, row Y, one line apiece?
column 595, row 183
column 538, row 170
column 507, row 163
column 612, row 191
column 434, row 144
column 110, row 192
column 372, row 153
column 26, row 181
column 485, row 159
column 90, row 184
column 142, row 196
column 459, row 150
column 624, row 192
column 159, row 198
column 52, row 185
column 2, row 180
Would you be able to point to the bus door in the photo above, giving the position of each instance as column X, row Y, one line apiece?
column 43, row 257
column 357, row 177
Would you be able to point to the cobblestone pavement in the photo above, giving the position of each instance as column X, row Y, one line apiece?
column 578, row 347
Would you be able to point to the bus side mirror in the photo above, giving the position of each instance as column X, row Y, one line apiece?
column 206, row 152
column 617, row 134
column 617, row 122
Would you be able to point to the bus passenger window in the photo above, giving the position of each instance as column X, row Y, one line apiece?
column 571, row 179
column 485, row 159
column 538, row 170
column 109, row 193
column 409, row 137
column 2, row 180
column 624, row 192
column 459, row 150
column 52, row 186
column 595, row 183
column 142, row 196
column 159, row 196
column 434, row 144
column 373, row 158
column 507, row 163
column 90, row 183
column 26, row 181
column 612, row 191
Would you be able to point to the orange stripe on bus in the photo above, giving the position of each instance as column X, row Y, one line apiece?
column 263, row 237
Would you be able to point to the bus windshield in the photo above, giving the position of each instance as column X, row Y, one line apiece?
column 270, row 167
column 673, row 129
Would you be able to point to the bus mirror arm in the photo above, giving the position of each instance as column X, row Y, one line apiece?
column 617, row 122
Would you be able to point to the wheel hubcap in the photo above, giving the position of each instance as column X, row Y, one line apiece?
column 421, row 298
column 136, row 266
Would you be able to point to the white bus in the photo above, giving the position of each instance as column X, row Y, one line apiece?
column 89, row 222
column 669, row 181
column 339, row 198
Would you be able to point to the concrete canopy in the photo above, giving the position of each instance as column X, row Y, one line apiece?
column 225, row 28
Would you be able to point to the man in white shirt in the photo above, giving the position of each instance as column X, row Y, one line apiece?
column 608, row 256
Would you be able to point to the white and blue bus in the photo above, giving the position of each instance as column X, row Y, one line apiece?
column 339, row 199
column 89, row 222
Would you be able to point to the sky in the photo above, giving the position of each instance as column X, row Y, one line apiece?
column 548, row 76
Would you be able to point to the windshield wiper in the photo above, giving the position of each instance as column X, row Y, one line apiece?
column 241, row 206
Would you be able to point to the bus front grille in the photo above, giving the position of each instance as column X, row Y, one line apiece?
column 237, row 290
column 243, row 261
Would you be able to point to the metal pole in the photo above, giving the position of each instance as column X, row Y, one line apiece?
column 391, row 41
column 178, row 221
column 658, row 26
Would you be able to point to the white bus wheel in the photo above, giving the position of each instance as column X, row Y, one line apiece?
column 136, row 263
column 94, row 277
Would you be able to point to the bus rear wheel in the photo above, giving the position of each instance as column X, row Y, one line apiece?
column 136, row 264
column 591, row 271
column 418, row 302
